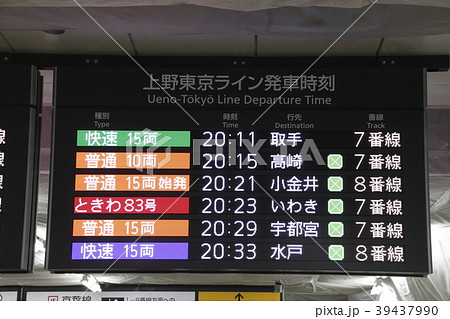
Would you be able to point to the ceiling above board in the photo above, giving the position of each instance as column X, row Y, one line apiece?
column 303, row 18
column 248, row 5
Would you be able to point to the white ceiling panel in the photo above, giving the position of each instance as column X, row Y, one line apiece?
column 429, row 45
column 248, row 5
column 382, row 20
column 291, row 46
column 438, row 78
column 439, row 89
column 71, row 42
column 48, row 87
column 211, row 45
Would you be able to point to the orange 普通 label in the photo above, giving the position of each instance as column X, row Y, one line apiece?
column 123, row 227
column 109, row 160
column 94, row 182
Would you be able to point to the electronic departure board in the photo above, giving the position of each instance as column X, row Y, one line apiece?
column 309, row 188
column 18, row 166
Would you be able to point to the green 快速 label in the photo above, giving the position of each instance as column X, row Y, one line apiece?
column 144, row 138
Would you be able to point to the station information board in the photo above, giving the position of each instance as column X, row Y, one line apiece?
column 83, row 295
column 154, row 293
column 9, row 293
column 303, row 189
column 18, row 168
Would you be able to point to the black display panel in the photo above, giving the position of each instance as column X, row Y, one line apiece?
column 227, row 85
column 347, row 192
column 18, row 186
column 18, row 85
column 185, row 173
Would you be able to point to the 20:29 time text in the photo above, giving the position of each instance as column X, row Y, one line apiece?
column 236, row 228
